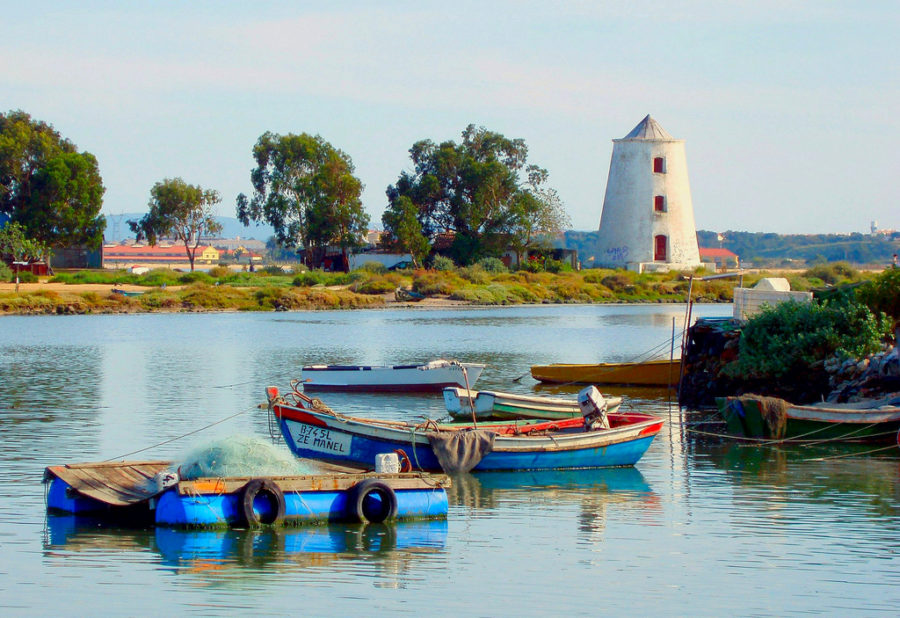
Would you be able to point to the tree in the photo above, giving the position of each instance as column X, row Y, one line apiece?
column 46, row 185
column 179, row 210
column 538, row 215
column 305, row 188
column 403, row 230
column 472, row 189
column 16, row 247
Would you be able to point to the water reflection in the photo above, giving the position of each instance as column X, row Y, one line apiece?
column 593, row 493
column 392, row 548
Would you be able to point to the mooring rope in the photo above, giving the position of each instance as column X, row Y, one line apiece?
column 798, row 440
column 190, row 433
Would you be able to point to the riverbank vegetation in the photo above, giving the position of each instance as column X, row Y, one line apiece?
column 487, row 282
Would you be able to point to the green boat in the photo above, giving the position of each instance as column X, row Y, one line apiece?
column 769, row 418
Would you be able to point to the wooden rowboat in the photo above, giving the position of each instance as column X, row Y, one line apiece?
column 428, row 377
column 648, row 373
column 770, row 418
column 487, row 405
column 327, row 435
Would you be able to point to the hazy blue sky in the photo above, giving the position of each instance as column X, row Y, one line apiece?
column 789, row 109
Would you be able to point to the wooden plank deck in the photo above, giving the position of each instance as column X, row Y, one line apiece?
column 117, row 483
column 124, row 483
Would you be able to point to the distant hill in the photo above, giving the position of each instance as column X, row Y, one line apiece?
column 767, row 250
column 117, row 228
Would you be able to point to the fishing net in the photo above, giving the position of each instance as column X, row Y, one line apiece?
column 773, row 412
column 239, row 456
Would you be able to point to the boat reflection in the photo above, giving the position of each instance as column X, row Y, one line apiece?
column 596, row 493
column 814, row 473
column 393, row 547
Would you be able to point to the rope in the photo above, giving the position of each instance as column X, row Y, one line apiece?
column 190, row 433
column 876, row 450
column 796, row 439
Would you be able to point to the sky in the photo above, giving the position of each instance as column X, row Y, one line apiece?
column 788, row 109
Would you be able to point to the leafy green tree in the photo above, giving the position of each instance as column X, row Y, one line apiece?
column 538, row 216
column 179, row 210
column 305, row 188
column 16, row 247
column 474, row 190
column 49, row 187
column 403, row 230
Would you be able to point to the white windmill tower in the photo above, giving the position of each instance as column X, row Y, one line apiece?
column 647, row 221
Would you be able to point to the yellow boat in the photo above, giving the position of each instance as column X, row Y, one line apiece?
column 663, row 372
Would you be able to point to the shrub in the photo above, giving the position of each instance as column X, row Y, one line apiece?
column 159, row 276
column 617, row 282
column 882, row 293
column 783, row 342
column 26, row 276
column 220, row 272
column 593, row 275
column 475, row 273
column 272, row 270
column 556, row 266
column 377, row 285
column 6, row 273
column 195, row 277
column 308, row 278
column 374, row 267
column 442, row 263
column 431, row 283
column 832, row 274
column 492, row 265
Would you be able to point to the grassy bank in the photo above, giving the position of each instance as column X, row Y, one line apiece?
column 90, row 291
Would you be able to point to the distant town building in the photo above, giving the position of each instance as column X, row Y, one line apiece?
column 876, row 231
column 647, row 222
column 172, row 256
column 722, row 258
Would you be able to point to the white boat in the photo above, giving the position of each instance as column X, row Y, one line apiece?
column 430, row 377
column 496, row 405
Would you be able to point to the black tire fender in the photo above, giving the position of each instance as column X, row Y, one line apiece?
column 357, row 508
column 267, row 489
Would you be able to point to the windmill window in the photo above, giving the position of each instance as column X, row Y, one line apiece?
column 659, row 165
column 659, row 203
column 660, row 248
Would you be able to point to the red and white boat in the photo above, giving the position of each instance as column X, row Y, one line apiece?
column 433, row 376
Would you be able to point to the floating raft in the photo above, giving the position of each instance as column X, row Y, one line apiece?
column 129, row 492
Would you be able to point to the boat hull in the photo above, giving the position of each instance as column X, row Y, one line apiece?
column 398, row 378
column 745, row 418
column 649, row 373
column 357, row 442
column 489, row 405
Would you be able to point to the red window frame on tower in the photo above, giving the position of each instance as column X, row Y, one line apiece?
column 659, row 203
column 659, row 165
column 660, row 248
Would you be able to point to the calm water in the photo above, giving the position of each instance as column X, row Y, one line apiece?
column 700, row 527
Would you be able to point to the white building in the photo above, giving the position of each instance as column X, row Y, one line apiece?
column 647, row 221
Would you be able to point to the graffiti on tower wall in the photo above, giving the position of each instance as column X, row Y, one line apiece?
column 617, row 254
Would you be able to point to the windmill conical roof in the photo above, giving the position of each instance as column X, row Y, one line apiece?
column 648, row 129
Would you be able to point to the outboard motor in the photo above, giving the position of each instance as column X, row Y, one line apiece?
column 593, row 409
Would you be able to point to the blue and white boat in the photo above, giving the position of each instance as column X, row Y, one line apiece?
column 312, row 432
